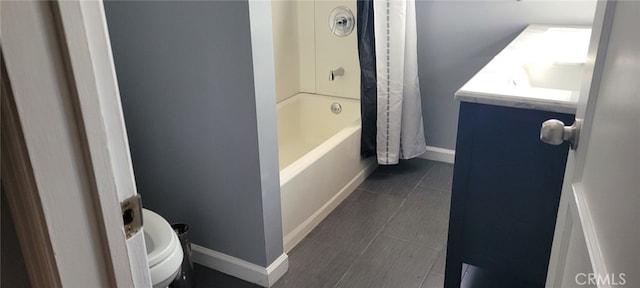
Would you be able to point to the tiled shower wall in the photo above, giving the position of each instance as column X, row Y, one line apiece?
column 306, row 50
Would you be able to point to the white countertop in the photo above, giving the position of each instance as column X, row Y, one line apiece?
column 540, row 69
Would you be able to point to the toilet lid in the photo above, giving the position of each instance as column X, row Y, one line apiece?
column 159, row 237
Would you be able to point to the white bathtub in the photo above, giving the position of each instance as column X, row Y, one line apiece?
column 320, row 161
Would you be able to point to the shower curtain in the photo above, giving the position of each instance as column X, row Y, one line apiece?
column 387, row 47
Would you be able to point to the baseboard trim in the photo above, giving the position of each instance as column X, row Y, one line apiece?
column 239, row 268
column 294, row 237
column 439, row 154
column 276, row 270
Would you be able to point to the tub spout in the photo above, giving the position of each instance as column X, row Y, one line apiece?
column 334, row 73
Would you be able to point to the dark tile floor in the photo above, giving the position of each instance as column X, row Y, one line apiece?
column 390, row 232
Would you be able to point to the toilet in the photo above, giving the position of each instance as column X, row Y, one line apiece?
column 164, row 252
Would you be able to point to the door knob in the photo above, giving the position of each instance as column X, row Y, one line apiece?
column 554, row 132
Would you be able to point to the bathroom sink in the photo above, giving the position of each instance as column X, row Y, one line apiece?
column 556, row 58
column 540, row 69
column 563, row 76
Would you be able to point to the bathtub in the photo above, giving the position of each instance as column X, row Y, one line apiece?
column 320, row 163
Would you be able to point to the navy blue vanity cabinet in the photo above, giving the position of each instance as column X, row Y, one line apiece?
column 505, row 196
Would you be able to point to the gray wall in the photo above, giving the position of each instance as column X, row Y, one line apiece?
column 457, row 38
column 264, row 78
column 186, row 81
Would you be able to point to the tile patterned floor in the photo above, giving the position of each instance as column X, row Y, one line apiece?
column 390, row 232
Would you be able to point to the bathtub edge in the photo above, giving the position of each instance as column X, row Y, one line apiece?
column 296, row 235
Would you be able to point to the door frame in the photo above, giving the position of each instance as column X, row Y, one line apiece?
column 72, row 167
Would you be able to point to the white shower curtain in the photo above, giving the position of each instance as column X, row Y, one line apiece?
column 400, row 132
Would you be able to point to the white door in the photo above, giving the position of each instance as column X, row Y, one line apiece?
column 597, row 236
column 68, row 119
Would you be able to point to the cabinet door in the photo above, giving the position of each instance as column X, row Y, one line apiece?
column 506, row 191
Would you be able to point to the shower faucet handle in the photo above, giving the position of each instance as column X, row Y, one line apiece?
column 334, row 73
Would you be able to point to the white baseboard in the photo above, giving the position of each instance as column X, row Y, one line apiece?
column 277, row 269
column 439, row 154
column 294, row 237
column 239, row 268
